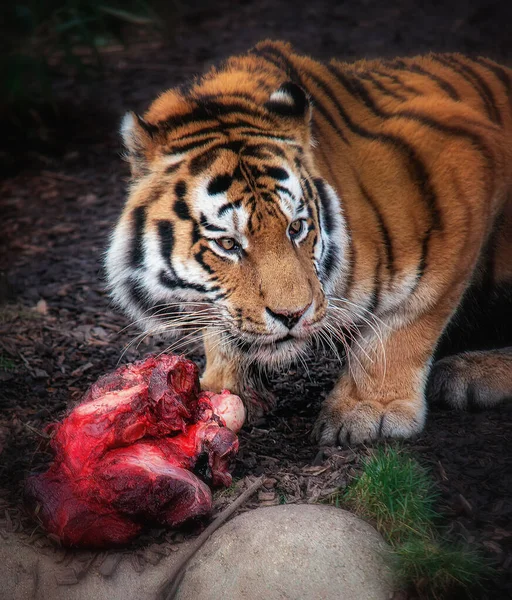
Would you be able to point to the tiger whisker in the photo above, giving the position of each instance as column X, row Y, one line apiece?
column 162, row 315
column 349, row 351
column 358, row 307
column 378, row 334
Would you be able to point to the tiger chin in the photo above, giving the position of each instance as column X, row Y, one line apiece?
column 279, row 202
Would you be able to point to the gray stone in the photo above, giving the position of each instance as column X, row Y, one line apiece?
column 293, row 552
column 290, row 552
column 30, row 574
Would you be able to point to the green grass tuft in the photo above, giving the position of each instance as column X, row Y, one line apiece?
column 438, row 566
column 397, row 494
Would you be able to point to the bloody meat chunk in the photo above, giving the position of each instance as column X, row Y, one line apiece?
column 125, row 455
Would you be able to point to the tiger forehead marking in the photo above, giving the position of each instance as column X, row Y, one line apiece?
column 228, row 188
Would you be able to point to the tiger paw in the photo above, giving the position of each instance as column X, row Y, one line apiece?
column 218, row 377
column 472, row 379
column 345, row 421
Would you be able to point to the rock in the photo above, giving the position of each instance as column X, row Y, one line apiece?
column 295, row 552
column 30, row 573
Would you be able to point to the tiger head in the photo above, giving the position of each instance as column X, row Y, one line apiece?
column 228, row 226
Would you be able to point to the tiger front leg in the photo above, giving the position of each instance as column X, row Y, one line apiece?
column 225, row 369
column 382, row 393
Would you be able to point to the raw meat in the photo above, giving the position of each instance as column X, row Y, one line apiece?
column 124, row 456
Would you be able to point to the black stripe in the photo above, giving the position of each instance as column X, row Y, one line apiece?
column 475, row 139
column 382, row 88
column 166, row 236
column 327, row 216
column 209, row 226
column 483, row 86
column 139, row 294
column 196, row 233
column 269, row 199
column 276, row 173
column 384, row 231
column 414, row 68
column 498, row 71
column 137, row 250
column 268, row 149
column 225, row 207
column 203, row 161
column 180, row 189
column 422, row 265
column 377, row 283
column 237, row 173
column 219, row 184
column 255, row 170
column 352, row 257
column 399, row 82
column 191, row 145
column 315, row 200
column 200, row 259
column 275, row 57
column 181, row 210
column 217, row 128
column 330, row 260
column 349, row 282
column 283, row 190
column 307, row 185
column 476, row 82
column 210, row 111
column 172, row 283
column 173, row 168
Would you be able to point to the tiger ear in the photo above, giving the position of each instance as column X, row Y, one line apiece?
column 290, row 100
column 138, row 137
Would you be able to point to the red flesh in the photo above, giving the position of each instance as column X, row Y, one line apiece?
column 123, row 456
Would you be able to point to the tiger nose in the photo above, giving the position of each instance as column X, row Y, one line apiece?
column 288, row 318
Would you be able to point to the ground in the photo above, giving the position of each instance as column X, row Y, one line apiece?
column 58, row 332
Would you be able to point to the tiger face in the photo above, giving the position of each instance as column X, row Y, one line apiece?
column 228, row 228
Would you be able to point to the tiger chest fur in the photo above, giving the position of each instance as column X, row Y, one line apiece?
column 278, row 201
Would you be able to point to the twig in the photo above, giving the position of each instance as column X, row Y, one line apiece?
column 170, row 587
column 37, row 432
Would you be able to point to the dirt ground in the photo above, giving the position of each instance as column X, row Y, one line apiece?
column 59, row 202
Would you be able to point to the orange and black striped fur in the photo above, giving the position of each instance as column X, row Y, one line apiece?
column 278, row 201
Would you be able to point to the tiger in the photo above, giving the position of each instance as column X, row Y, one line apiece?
column 278, row 203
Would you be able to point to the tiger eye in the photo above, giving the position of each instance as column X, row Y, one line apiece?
column 295, row 227
column 227, row 243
